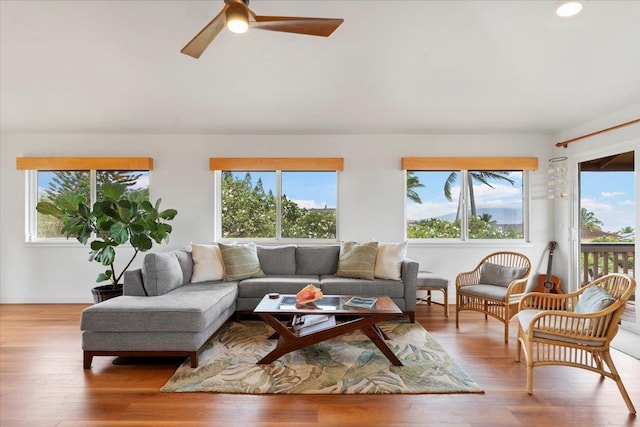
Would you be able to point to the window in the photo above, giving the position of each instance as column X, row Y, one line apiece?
column 466, row 204
column 279, row 203
column 49, row 177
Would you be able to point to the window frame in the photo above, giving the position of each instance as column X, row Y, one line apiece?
column 277, row 165
column 465, row 165
column 33, row 165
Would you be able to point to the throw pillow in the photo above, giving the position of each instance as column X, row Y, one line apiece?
column 161, row 273
column 277, row 260
column 593, row 299
column 357, row 260
column 389, row 260
column 317, row 260
column 207, row 263
column 240, row 261
column 501, row 275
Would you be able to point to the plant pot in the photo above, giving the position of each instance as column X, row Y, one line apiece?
column 105, row 292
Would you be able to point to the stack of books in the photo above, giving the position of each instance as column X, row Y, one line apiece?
column 310, row 323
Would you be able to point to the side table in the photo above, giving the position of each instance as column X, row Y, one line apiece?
column 428, row 281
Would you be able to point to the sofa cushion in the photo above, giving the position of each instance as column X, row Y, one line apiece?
column 258, row 287
column 276, row 260
column 389, row 260
column 593, row 299
column 317, row 260
column 161, row 273
column 334, row 285
column 207, row 263
column 496, row 292
column 240, row 261
column 501, row 275
column 357, row 260
column 186, row 263
column 191, row 308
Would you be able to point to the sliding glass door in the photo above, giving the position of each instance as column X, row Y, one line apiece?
column 607, row 221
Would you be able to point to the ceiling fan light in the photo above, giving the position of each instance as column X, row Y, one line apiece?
column 237, row 18
column 566, row 9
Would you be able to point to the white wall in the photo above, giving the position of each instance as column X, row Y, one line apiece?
column 371, row 199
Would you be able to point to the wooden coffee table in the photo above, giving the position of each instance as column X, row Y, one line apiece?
column 290, row 339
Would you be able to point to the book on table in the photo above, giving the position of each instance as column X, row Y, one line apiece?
column 361, row 302
column 309, row 323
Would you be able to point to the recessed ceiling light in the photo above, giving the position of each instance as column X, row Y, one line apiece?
column 566, row 9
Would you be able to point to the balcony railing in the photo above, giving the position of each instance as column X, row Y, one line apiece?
column 598, row 259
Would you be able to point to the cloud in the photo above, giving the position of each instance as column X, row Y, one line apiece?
column 501, row 196
column 612, row 216
column 310, row 204
column 142, row 182
column 430, row 210
column 611, row 193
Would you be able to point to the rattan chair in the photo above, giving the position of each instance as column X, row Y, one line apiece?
column 496, row 300
column 552, row 333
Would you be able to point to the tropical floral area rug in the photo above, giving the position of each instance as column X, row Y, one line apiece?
column 350, row 364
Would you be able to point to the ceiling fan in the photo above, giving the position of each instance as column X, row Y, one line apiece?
column 235, row 14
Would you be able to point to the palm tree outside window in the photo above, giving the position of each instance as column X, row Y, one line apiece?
column 465, row 205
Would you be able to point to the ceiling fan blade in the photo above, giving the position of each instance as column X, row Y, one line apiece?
column 199, row 43
column 290, row 24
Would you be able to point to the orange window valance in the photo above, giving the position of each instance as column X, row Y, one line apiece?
column 469, row 163
column 85, row 163
column 276, row 163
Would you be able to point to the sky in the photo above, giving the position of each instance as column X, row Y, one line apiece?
column 610, row 196
column 308, row 189
column 503, row 196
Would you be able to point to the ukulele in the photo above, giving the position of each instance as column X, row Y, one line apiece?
column 548, row 283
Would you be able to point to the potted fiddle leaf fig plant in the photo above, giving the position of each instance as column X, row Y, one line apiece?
column 116, row 219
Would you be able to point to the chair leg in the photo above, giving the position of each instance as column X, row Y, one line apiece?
column 507, row 319
column 529, row 377
column 446, row 302
column 457, row 311
column 616, row 377
column 528, row 356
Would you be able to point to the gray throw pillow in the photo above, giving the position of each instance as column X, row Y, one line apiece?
column 277, row 260
column 357, row 260
column 593, row 299
column 317, row 260
column 240, row 261
column 501, row 275
column 161, row 273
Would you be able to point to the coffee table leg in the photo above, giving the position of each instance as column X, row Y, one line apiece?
column 379, row 331
column 377, row 337
column 289, row 341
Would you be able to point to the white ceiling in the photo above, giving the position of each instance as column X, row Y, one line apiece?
column 391, row 67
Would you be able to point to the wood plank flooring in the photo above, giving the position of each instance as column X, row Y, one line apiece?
column 42, row 383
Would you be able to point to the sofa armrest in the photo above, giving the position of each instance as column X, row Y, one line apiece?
column 409, row 276
column 133, row 284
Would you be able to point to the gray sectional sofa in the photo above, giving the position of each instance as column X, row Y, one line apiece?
column 163, row 313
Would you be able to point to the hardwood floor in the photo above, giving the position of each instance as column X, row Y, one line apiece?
column 42, row 383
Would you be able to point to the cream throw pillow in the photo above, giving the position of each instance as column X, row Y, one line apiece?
column 389, row 260
column 357, row 260
column 207, row 263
